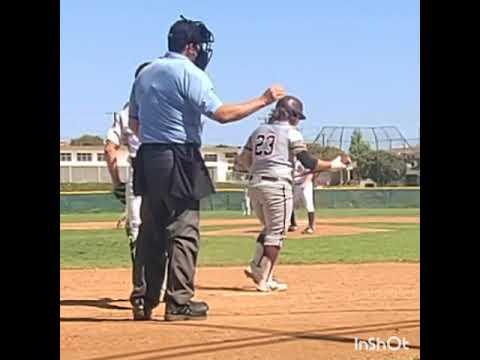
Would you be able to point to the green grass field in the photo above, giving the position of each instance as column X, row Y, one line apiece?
column 237, row 214
column 109, row 248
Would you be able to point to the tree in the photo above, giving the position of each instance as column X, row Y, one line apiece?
column 87, row 140
column 359, row 152
column 358, row 146
column 381, row 166
column 324, row 152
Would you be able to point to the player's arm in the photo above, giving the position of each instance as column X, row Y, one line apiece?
column 112, row 145
column 314, row 164
column 133, row 122
column 111, row 151
column 299, row 149
column 243, row 161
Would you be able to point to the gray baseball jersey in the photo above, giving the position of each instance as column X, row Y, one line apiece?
column 273, row 148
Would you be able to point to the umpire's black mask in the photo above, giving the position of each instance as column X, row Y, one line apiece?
column 186, row 31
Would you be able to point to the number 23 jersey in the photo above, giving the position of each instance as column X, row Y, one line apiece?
column 274, row 147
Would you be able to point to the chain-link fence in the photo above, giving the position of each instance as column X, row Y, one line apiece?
column 235, row 200
column 382, row 152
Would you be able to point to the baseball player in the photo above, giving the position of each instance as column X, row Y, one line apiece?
column 269, row 155
column 246, row 204
column 303, row 195
column 120, row 134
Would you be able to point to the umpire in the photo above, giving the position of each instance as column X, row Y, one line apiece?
column 166, row 103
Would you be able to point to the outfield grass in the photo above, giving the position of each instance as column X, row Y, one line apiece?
column 109, row 248
column 238, row 214
column 108, row 216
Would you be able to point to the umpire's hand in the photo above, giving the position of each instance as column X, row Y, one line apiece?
column 273, row 93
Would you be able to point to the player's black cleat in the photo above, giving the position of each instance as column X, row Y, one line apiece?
column 140, row 310
column 193, row 310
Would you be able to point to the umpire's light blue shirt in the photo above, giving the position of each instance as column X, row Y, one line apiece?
column 168, row 98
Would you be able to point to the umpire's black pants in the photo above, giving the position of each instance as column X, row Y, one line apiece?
column 169, row 225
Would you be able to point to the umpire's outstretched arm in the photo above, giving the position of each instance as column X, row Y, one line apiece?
column 234, row 112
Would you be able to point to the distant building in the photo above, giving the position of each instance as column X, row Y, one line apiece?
column 412, row 156
column 412, row 153
column 219, row 160
column 86, row 164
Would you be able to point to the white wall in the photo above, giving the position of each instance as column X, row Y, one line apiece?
column 221, row 165
column 90, row 171
column 96, row 171
column 122, row 157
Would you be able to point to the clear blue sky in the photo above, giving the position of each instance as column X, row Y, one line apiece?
column 353, row 63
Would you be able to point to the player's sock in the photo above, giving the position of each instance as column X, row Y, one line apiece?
column 264, row 272
column 293, row 221
column 258, row 253
column 311, row 220
column 270, row 276
column 271, row 252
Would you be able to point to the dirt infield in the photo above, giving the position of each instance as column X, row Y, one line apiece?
column 325, row 226
column 335, row 220
column 320, row 230
column 319, row 317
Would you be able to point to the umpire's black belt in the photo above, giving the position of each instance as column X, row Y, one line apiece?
column 271, row 178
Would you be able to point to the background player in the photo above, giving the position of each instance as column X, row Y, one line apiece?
column 119, row 134
column 303, row 196
column 246, row 203
column 268, row 155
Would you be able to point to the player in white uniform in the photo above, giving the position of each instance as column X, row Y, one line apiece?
column 268, row 155
column 121, row 134
column 246, row 202
column 303, row 196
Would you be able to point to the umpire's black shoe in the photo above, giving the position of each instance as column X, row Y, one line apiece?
column 193, row 310
column 140, row 310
